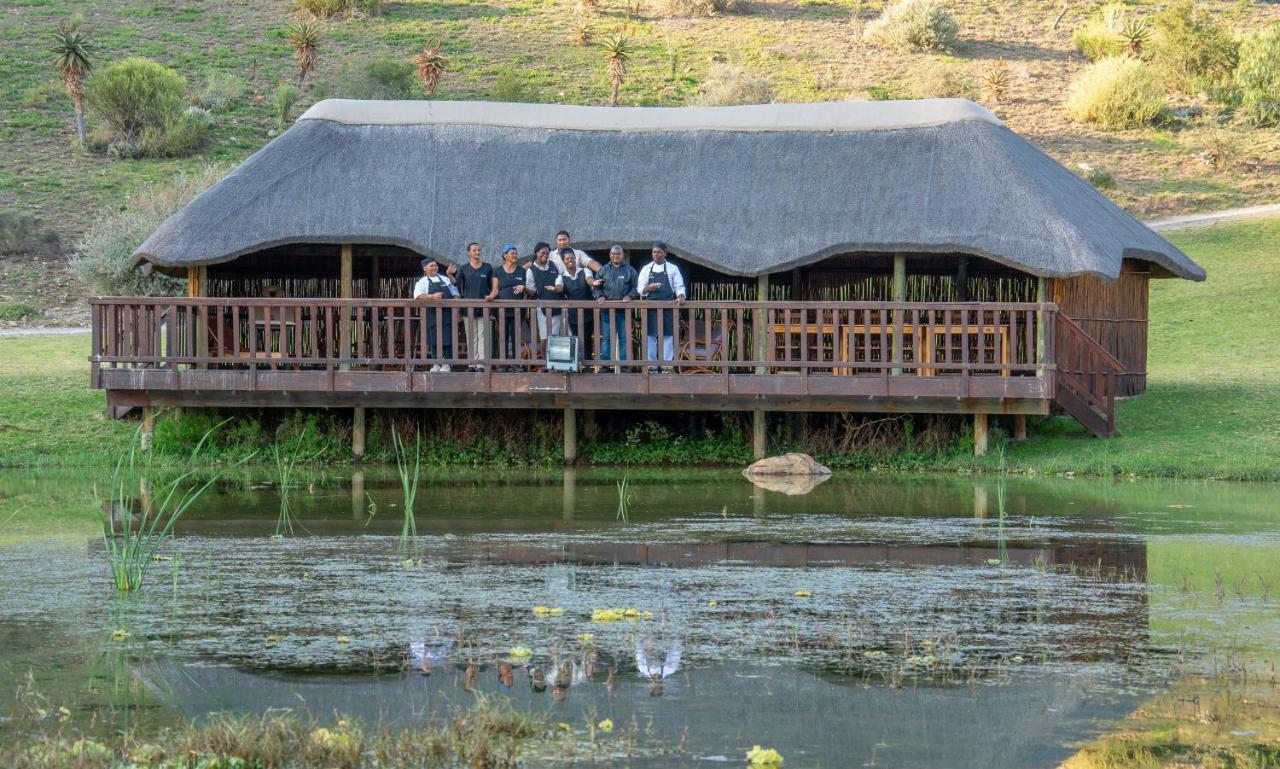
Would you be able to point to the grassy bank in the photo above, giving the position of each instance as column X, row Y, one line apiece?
column 1212, row 409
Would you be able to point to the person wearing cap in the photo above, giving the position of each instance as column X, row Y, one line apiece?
column 660, row 281
column 511, row 287
column 575, row 284
column 615, row 282
column 477, row 281
column 434, row 287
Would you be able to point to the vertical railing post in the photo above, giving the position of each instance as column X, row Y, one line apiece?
column 1042, row 318
column 197, row 278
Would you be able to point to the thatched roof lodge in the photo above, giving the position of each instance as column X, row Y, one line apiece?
column 913, row 201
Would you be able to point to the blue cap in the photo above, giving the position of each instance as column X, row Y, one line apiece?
column 508, row 247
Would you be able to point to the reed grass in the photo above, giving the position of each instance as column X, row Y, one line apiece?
column 408, row 479
column 624, row 500
column 130, row 554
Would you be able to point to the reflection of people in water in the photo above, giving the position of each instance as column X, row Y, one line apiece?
column 537, row 680
column 506, row 678
column 651, row 662
column 428, row 658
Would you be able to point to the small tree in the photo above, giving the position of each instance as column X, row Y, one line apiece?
column 1190, row 50
column 304, row 35
column 431, row 64
column 1258, row 75
column 617, row 52
column 72, row 53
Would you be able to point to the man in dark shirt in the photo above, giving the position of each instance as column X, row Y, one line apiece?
column 615, row 282
column 477, row 281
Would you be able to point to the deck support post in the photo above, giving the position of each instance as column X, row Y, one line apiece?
column 570, row 436
column 979, row 501
column 569, row 501
column 588, row 425
column 148, row 426
column 357, row 432
column 344, row 292
column 899, row 295
column 759, row 435
column 1019, row 427
column 980, row 435
column 1042, row 296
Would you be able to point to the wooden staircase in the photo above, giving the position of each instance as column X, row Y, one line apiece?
column 1086, row 378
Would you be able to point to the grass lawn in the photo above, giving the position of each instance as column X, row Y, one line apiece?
column 1212, row 409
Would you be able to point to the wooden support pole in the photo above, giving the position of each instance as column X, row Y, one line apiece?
column 980, row 435
column 357, row 432
column 148, row 426
column 1042, row 296
column 197, row 286
column 962, row 279
column 899, row 295
column 758, row 320
column 1019, row 427
column 344, row 292
column 588, row 425
column 979, row 501
column 375, row 277
column 759, row 434
column 570, row 436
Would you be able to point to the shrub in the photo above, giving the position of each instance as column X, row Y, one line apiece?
column 913, row 25
column 1116, row 92
column 510, row 86
column 1258, row 75
column 882, row 93
column 221, row 90
column 1189, row 50
column 324, row 9
column 22, row 233
column 134, row 94
column 727, row 84
column 1098, row 177
column 282, row 101
column 1099, row 37
column 694, row 8
column 941, row 81
column 104, row 257
column 16, row 311
column 378, row 78
column 179, row 136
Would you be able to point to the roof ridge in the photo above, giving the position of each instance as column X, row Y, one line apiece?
column 810, row 116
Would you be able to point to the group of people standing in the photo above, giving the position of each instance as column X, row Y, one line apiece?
column 554, row 274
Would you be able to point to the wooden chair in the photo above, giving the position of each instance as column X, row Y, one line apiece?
column 695, row 345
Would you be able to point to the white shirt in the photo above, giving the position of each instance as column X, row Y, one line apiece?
column 532, row 287
column 423, row 286
column 565, row 273
column 673, row 275
column 582, row 256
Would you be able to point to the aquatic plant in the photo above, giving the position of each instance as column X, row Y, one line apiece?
column 759, row 756
column 624, row 500
column 408, row 479
column 130, row 553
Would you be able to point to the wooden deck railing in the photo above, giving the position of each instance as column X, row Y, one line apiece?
column 706, row 338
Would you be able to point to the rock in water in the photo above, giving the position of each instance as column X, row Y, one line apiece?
column 787, row 464
column 791, row 474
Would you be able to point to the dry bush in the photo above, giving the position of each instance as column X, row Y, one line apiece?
column 1190, row 51
column 695, row 8
column 728, row 84
column 936, row 80
column 913, row 25
column 104, row 257
column 1116, row 92
column 1099, row 37
column 1258, row 75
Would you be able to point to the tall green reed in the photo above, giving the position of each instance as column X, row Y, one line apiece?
column 408, row 479
column 130, row 553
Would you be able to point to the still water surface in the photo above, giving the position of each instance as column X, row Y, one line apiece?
column 918, row 622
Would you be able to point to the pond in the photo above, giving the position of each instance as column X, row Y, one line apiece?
column 874, row 621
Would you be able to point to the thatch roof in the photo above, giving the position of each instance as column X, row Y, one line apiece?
column 744, row 190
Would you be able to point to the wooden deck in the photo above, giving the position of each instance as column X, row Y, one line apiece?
column 980, row 358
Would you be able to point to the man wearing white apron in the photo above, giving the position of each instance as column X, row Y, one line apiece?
column 660, row 281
